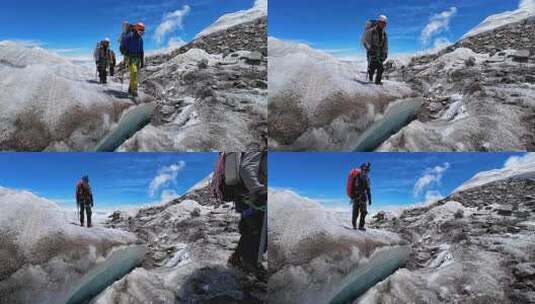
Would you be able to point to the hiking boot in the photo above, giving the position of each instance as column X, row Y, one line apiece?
column 234, row 260
column 362, row 229
column 354, row 228
column 89, row 225
column 250, row 268
column 82, row 224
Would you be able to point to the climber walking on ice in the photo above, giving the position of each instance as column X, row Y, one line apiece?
column 358, row 190
column 375, row 41
column 134, row 56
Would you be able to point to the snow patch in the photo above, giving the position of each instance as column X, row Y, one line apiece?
column 526, row 10
column 515, row 168
column 259, row 10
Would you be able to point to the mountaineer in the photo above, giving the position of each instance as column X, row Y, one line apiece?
column 113, row 62
column 375, row 41
column 132, row 50
column 358, row 189
column 241, row 178
column 84, row 200
column 103, row 57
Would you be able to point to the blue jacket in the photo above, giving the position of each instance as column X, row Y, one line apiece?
column 133, row 44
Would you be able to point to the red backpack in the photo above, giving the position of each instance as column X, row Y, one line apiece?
column 226, row 185
column 353, row 174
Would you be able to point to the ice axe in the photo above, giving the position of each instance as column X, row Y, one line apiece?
column 77, row 212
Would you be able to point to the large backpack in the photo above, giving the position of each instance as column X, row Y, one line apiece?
column 350, row 185
column 369, row 24
column 127, row 28
column 96, row 52
column 83, row 193
column 226, row 185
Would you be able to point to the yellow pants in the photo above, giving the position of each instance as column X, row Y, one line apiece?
column 133, row 68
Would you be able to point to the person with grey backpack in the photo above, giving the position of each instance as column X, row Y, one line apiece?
column 375, row 41
column 242, row 178
column 103, row 59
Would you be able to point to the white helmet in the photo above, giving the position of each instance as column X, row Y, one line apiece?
column 382, row 18
column 107, row 39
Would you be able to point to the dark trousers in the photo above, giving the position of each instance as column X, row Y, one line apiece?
column 360, row 205
column 251, row 232
column 102, row 73
column 87, row 209
column 375, row 65
column 112, row 69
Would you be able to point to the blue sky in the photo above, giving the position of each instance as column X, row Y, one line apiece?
column 73, row 27
column 336, row 26
column 396, row 178
column 117, row 179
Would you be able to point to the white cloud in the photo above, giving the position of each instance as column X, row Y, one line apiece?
column 168, row 195
column 165, row 176
column 437, row 24
column 261, row 4
column 432, row 196
column 515, row 166
column 527, row 5
column 175, row 42
column 170, row 23
column 67, row 51
column 440, row 43
column 23, row 42
column 515, row 162
column 430, row 178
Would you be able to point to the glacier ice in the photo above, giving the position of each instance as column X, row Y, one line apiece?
column 315, row 258
column 44, row 255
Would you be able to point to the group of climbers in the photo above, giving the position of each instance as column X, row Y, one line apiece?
column 375, row 41
column 131, row 47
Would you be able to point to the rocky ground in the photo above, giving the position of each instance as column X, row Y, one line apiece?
column 190, row 240
column 211, row 94
column 475, row 246
column 482, row 83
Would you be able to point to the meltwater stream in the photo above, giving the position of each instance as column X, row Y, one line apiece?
column 120, row 263
column 133, row 120
column 397, row 117
column 382, row 264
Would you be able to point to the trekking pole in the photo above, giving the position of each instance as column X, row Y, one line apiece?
column 263, row 239
column 122, row 73
column 76, row 216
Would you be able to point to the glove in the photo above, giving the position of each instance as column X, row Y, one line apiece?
column 262, row 196
column 248, row 212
